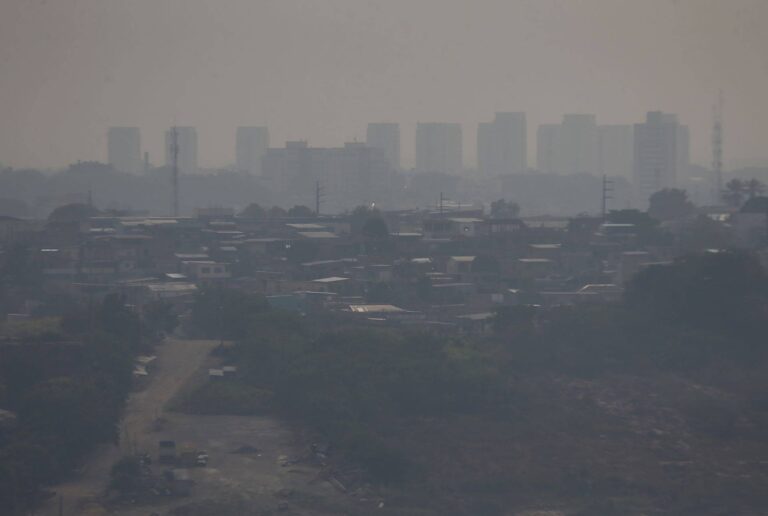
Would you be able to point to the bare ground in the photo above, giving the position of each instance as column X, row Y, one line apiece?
column 234, row 483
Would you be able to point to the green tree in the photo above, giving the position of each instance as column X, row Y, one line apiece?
column 253, row 211
column 647, row 227
column 125, row 475
column 375, row 228
column 276, row 212
column 503, row 209
column 753, row 188
column 225, row 313
column 670, row 204
column 733, row 193
column 114, row 317
column 74, row 212
column 359, row 216
column 159, row 317
column 300, row 211
column 705, row 233
column 77, row 413
column 724, row 292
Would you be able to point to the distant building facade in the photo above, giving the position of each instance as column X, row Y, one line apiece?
column 439, row 148
column 385, row 136
column 616, row 150
column 579, row 144
column 547, row 145
column 502, row 145
column 124, row 149
column 186, row 138
column 250, row 147
column 571, row 147
column 661, row 153
column 348, row 176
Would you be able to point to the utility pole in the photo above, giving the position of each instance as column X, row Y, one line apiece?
column 717, row 143
column 441, row 203
column 175, row 172
column 606, row 195
column 319, row 194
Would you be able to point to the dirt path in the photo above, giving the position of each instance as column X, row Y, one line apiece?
column 176, row 361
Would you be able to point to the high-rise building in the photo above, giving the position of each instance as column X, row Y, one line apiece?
column 386, row 137
column 660, row 154
column 251, row 145
column 502, row 145
column 349, row 176
column 124, row 149
column 547, row 145
column 571, row 147
column 579, row 145
column 616, row 150
column 186, row 139
column 439, row 148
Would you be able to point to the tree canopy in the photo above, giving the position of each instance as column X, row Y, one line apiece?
column 375, row 228
column 253, row 211
column 721, row 291
column 74, row 212
column 670, row 204
column 504, row 209
column 300, row 211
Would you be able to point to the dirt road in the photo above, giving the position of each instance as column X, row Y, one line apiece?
column 176, row 361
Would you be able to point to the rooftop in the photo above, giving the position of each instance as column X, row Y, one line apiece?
column 331, row 279
column 317, row 234
column 367, row 309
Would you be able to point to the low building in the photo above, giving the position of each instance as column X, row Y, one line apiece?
column 206, row 270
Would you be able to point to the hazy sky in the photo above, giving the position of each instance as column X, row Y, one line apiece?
column 322, row 69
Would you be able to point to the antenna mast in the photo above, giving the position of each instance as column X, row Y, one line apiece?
column 717, row 142
column 175, row 171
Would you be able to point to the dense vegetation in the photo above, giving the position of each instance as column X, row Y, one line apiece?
column 553, row 404
column 66, row 379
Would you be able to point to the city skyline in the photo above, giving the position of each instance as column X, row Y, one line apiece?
column 347, row 63
column 578, row 144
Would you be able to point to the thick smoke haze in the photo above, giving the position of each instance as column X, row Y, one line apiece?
column 322, row 69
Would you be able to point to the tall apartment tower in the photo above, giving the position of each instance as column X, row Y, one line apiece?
column 502, row 145
column 124, row 149
column 187, row 149
column 616, row 150
column 439, row 148
column 386, row 137
column 571, row 147
column 579, row 145
column 660, row 154
column 349, row 176
column 250, row 146
column 547, row 145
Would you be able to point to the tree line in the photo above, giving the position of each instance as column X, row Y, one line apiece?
column 66, row 383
